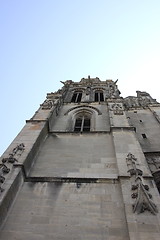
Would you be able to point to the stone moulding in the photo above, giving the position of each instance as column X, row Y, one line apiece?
column 5, row 165
column 140, row 191
column 84, row 106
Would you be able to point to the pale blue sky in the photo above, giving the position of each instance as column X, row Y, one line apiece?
column 44, row 42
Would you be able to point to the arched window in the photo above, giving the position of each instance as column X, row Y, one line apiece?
column 98, row 96
column 76, row 96
column 82, row 123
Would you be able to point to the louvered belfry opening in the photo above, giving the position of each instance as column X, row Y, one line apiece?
column 99, row 96
column 76, row 97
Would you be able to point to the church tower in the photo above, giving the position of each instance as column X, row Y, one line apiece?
column 85, row 166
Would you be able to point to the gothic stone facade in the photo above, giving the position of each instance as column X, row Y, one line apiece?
column 85, row 166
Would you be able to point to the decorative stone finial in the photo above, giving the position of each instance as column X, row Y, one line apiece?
column 140, row 191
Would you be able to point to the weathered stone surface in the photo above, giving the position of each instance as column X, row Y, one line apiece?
column 63, row 210
column 82, row 160
column 89, row 167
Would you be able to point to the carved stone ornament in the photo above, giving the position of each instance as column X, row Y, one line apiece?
column 143, row 200
column 140, row 191
column 117, row 109
column 89, row 81
column 48, row 104
column 18, row 149
column 153, row 161
column 113, row 91
column 12, row 159
column 58, row 103
column 67, row 82
column 131, row 102
column 5, row 166
column 53, row 100
column 142, row 100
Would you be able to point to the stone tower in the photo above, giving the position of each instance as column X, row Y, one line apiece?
column 85, row 166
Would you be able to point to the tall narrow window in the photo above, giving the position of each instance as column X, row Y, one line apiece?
column 98, row 97
column 76, row 97
column 82, row 124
